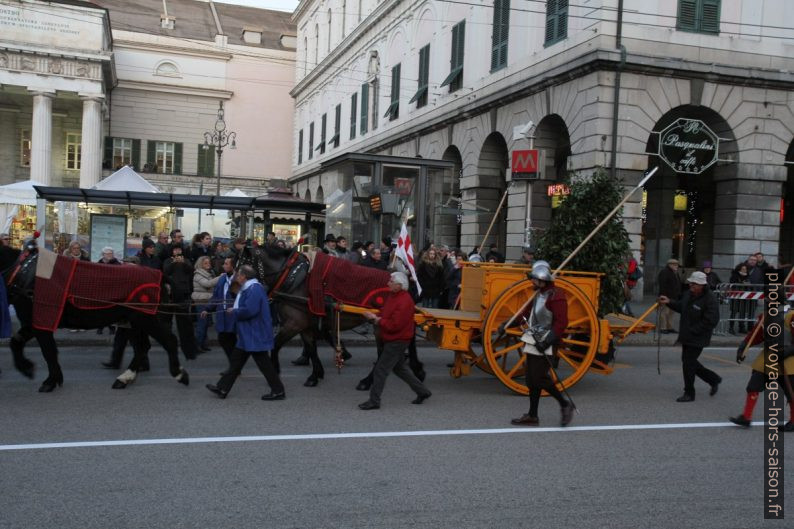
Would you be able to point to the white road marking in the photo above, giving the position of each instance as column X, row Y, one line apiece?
column 365, row 435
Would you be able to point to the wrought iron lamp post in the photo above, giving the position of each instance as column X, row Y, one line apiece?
column 218, row 139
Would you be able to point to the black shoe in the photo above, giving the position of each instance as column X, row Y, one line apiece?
column 421, row 398
column 740, row 420
column 686, row 397
column 204, row 349
column 525, row 420
column 369, row 405
column 346, row 356
column 788, row 427
column 218, row 391
column 110, row 365
column 274, row 396
column 301, row 361
column 566, row 415
column 715, row 388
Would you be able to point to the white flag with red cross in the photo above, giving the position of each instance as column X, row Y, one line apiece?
column 406, row 252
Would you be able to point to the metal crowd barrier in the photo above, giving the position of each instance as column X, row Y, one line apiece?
column 740, row 305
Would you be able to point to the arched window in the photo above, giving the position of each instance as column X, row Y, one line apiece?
column 344, row 16
column 167, row 69
column 317, row 44
column 329, row 30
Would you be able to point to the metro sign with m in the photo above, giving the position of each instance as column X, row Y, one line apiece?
column 525, row 165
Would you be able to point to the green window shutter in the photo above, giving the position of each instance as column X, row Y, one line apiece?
column 710, row 16
column 337, row 125
column 107, row 158
column 551, row 18
column 424, row 73
column 687, row 15
column 311, row 140
column 364, row 107
column 501, row 28
column 460, row 48
column 453, row 60
column 151, row 155
column 393, row 111
column 562, row 20
column 177, row 158
column 136, row 155
column 353, row 114
column 205, row 161
column 300, row 146
column 321, row 145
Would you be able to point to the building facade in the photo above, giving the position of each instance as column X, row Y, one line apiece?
column 89, row 87
column 600, row 83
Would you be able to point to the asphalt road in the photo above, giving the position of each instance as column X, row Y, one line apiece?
column 315, row 460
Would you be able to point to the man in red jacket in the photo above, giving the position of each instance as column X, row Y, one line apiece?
column 396, row 323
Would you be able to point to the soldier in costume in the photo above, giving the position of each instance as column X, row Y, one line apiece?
column 547, row 318
column 758, row 377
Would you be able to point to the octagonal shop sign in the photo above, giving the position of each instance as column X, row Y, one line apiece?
column 689, row 146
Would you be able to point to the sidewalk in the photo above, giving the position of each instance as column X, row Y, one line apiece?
column 362, row 336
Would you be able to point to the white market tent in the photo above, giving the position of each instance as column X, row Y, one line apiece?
column 126, row 179
column 11, row 197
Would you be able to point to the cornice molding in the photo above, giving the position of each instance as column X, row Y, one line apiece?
column 176, row 89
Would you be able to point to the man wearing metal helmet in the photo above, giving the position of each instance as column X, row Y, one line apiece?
column 547, row 318
column 700, row 313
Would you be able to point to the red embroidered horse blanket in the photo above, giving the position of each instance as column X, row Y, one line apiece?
column 90, row 286
column 345, row 282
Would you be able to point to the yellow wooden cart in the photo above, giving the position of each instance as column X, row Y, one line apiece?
column 492, row 293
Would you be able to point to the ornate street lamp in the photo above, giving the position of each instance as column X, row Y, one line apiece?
column 219, row 139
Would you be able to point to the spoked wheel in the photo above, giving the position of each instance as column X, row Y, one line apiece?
column 576, row 350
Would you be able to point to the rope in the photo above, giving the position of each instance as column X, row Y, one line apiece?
column 340, row 361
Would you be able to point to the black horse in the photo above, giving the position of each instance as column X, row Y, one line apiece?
column 20, row 293
column 292, row 297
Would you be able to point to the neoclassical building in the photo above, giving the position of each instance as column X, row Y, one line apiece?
column 87, row 87
column 606, row 84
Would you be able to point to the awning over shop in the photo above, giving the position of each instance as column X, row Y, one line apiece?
column 126, row 179
column 269, row 201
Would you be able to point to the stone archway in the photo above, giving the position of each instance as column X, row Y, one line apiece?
column 690, row 217
column 492, row 166
column 554, row 145
column 786, row 250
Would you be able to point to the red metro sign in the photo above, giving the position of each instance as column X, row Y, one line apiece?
column 525, row 165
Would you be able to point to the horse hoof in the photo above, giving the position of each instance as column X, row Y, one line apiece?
column 183, row 378
column 363, row 386
column 118, row 384
column 311, row 382
column 26, row 367
column 49, row 384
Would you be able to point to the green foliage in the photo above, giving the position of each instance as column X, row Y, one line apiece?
column 589, row 203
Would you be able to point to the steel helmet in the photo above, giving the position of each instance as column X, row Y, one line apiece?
column 541, row 271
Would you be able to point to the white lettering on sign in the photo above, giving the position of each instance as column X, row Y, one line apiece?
column 673, row 140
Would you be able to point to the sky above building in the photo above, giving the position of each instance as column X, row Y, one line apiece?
column 281, row 5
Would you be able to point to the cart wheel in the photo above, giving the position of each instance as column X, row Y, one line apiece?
column 576, row 349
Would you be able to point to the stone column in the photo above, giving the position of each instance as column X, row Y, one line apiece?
column 41, row 138
column 91, row 142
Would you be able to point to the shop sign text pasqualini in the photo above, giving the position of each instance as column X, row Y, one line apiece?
column 689, row 146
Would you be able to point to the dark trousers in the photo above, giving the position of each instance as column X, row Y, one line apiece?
column 693, row 368
column 125, row 335
column 184, row 327
column 757, row 383
column 227, row 341
column 538, row 378
column 392, row 358
column 262, row 359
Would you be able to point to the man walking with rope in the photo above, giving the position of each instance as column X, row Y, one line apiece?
column 548, row 318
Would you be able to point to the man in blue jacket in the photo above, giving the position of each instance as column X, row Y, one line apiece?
column 222, row 300
column 254, row 336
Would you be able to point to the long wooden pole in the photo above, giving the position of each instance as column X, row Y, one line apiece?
column 495, row 216
column 586, row 240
